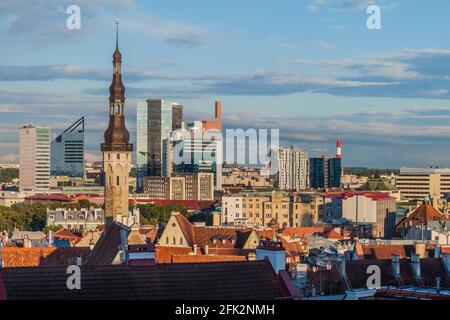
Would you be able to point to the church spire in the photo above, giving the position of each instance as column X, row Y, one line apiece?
column 117, row 133
column 117, row 32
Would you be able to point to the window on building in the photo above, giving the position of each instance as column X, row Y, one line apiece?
column 174, row 241
column 118, row 180
column 181, row 240
column 167, row 240
column 118, row 156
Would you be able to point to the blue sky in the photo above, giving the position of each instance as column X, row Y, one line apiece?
column 308, row 67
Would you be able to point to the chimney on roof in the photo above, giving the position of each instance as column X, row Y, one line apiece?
column 446, row 261
column 395, row 261
column 415, row 265
column 438, row 284
column 420, row 249
column 206, row 249
column 437, row 251
column 273, row 251
column 195, row 249
column 340, row 263
column 51, row 238
column 26, row 242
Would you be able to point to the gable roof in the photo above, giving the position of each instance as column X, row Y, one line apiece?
column 218, row 237
column 186, row 227
column 107, row 247
column 422, row 216
column 200, row 281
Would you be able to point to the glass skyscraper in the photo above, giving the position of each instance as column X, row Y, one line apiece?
column 325, row 172
column 198, row 153
column 68, row 151
column 156, row 120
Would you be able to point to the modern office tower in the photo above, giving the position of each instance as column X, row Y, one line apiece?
column 34, row 154
column 116, row 149
column 334, row 172
column 318, row 168
column 325, row 172
column 177, row 116
column 141, row 144
column 156, row 119
column 196, row 150
column 68, row 151
column 293, row 169
column 418, row 184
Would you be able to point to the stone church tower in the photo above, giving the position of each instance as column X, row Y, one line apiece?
column 116, row 149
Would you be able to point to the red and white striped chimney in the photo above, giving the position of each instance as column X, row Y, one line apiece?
column 339, row 149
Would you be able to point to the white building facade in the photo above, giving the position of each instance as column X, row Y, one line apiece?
column 34, row 158
column 293, row 169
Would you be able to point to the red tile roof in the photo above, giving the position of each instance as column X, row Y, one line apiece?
column 48, row 257
column 382, row 251
column 421, row 216
column 66, row 235
column 333, row 234
column 350, row 194
column 295, row 232
column 205, row 258
column 165, row 254
column 186, row 227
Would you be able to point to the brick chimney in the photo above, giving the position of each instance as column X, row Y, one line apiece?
column 395, row 262
column 218, row 110
column 437, row 251
column 340, row 263
column 415, row 265
column 446, row 262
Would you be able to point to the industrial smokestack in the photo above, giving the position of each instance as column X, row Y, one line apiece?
column 218, row 110
column 339, row 149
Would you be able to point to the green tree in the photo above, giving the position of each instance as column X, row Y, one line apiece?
column 156, row 213
column 84, row 203
column 7, row 175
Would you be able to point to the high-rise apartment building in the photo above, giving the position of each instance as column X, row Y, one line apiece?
column 34, row 154
column 293, row 169
column 67, row 151
column 156, row 119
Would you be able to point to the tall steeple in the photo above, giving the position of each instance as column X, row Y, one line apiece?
column 117, row 135
column 116, row 149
